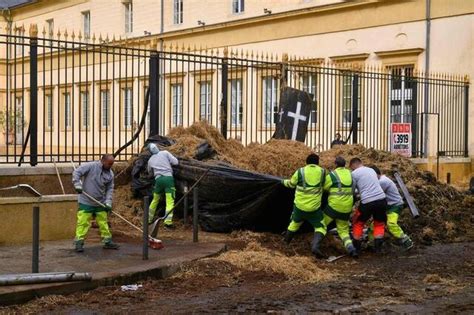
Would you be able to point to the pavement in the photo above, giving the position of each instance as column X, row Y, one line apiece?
column 107, row 267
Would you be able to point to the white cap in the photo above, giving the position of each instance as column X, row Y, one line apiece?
column 153, row 148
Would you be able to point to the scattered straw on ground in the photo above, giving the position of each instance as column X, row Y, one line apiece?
column 300, row 269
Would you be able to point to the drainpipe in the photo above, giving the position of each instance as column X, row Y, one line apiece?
column 427, row 70
column 162, row 26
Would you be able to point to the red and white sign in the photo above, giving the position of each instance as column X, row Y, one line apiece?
column 401, row 139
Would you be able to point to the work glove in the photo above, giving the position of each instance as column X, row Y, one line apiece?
column 108, row 207
column 78, row 189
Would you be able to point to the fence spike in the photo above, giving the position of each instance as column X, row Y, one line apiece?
column 113, row 38
column 73, row 35
column 466, row 78
column 65, row 34
column 226, row 52
column 79, row 35
column 33, row 30
column 43, row 32
column 107, row 38
column 58, row 35
column 183, row 49
column 93, row 37
column 7, row 29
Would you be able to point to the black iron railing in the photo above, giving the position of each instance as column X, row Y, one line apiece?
column 79, row 99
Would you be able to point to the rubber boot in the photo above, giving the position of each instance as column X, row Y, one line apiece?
column 288, row 236
column 352, row 251
column 406, row 243
column 357, row 245
column 79, row 246
column 109, row 244
column 378, row 243
column 317, row 238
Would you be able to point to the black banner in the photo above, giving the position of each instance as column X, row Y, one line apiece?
column 293, row 115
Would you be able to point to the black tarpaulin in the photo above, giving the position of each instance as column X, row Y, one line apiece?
column 293, row 116
column 229, row 198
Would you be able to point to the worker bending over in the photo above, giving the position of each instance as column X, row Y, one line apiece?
column 160, row 163
column 372, row 204
column 309, row 182
column 97, row 180
column 394, row 208
column 340, row 201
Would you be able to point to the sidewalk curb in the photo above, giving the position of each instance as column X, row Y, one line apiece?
column 23, row 293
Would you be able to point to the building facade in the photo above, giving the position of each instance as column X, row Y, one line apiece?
column 394, row 37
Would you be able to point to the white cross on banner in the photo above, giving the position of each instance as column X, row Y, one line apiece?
column 297, row 117
column 294, row 111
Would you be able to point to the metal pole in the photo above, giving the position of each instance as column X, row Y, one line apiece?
column 223, row 110
column 185, row 210
column 35, row 258
column 195, row 214
column 414, row 117
column 33, row 96
column 153, row 80
column 437, row 149
column 146, row 206
column 355, row 107
column 466, row 120
column 427, row 71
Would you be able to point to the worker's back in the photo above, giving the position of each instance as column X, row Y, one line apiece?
column 161, row 164
column 308, row 181
column 391, row 191
column 339, row 185
column 367, row 182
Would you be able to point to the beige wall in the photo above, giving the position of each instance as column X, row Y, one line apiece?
column 108, row 16
column 57, row 218
column 395, row 28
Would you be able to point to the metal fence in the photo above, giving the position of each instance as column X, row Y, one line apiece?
column 82, row 97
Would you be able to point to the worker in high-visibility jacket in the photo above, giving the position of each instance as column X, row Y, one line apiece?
column 309, row 183
column 340, row 201
column 394, row 209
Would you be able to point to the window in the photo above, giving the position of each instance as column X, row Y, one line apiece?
column 86, row 22
column 85, row 109
column 49, row 111
column 205, row 102
column 67, row 110
column 177, row 11
column 347, row 79
column 105, row 108
column 177, row 104
column 308, row 84
column 128, row 17
column 236, row 102
column 401, row 91
column 237, row 6
column 127, row 108
column 270, row 100
column 50, row 30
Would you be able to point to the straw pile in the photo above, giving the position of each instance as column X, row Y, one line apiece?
column 446, row 213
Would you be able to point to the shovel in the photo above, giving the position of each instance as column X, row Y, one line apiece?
column 334, row 258
column 154, row 225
